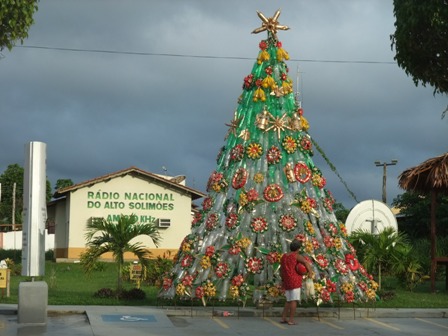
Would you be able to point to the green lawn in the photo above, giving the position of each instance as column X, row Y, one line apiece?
column 68, row 285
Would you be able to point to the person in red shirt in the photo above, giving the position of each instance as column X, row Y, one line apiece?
column 292, row 280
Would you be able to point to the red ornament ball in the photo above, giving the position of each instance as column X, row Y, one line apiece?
column 301, row 269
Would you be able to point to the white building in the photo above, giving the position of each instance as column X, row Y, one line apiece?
column 164, row 201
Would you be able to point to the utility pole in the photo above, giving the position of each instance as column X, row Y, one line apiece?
column 13, row 207
column 384, row 165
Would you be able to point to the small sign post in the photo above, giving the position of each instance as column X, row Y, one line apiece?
column 136, row 273
column 4, row 281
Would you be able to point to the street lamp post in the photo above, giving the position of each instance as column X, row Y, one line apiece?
column 384, row 165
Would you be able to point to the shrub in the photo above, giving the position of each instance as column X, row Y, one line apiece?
column 16, row 255
column 49, row 255
column 386, row 295
column 133, row 294
column 125, row 272
column 105, row 293
column 156, row 269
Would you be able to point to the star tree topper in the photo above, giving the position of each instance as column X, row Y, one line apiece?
column 270, row 24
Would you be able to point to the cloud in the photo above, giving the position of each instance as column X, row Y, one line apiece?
column 100, row 112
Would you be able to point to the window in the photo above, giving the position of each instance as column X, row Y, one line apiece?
column 164, row 222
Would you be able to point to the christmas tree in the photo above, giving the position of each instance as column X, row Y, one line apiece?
column 265, row 192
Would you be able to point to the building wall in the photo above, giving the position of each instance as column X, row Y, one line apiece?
column 13, row 240
column 125, row 195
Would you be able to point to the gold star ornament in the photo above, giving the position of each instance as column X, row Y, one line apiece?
column 233, row 126
column 270, row 24
column 278, row 124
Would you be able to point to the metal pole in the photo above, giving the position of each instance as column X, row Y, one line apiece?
column 384, row 183
column 13, row 219
column 384, row 165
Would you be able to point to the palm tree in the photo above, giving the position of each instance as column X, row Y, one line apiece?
column 107, row 236
column 384, row 251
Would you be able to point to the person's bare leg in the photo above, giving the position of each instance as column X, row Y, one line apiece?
column 286, row 310
column 292, row 311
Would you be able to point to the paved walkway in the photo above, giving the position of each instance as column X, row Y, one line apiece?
column 137, row 321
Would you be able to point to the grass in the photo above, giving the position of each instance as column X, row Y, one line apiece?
column 69, row 285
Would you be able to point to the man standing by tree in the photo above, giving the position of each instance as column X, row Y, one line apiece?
column 292, row 276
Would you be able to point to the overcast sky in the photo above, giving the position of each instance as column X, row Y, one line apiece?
column 100, row 112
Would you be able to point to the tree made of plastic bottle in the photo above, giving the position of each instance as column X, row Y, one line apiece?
column 265, row 192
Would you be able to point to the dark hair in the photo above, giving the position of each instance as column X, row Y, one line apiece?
column 295, row 245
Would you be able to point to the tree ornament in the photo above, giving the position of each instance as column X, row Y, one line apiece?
column 277, row 91
column 273, row 155
column 259, row 224
column 254, row 265
column 237, row 153
column 268, row 82
column 294, row 122
column 244, row 134
column 289, row 144
column 239, row 178
column 258, row 177
column 259, row 95
column 281, row 53
column 212, row 221
column 351, row 262
column 278, row 124
column 287, row 87
column 302, row 172
column 254, row 150
column 222, row 270
column 287, row 223
column 270, row 24
column 273, row 193
column 232, row 221
column 305, row 144
column 304, row 124
column 263, row 56
column 262, row 119
column 289, row 172
column 248, row 82
column 233, row 126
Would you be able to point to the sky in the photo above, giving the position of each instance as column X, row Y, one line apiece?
column 152, row 83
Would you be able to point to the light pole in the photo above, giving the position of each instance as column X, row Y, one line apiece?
column 384, row 165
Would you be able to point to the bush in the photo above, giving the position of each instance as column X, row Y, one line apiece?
column 386, row 295
column 99, row 266
column 16, row 255
column 133, row 294
column 105, row 293
column 49, row 255
column 16, row 269
column 156, row 269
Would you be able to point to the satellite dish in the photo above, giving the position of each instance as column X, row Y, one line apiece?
column 371, row 216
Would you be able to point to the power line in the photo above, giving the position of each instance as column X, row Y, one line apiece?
column 136, row 53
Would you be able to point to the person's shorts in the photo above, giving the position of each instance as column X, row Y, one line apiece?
column 293, row 294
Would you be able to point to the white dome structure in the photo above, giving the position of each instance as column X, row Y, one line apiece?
column 371, row 216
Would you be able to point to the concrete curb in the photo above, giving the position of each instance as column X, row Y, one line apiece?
column 339, row 313
column 232, row 311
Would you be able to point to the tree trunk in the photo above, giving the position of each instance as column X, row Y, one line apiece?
column 120, row 270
